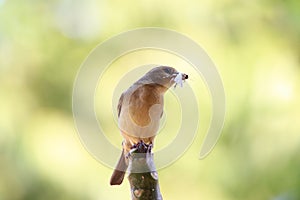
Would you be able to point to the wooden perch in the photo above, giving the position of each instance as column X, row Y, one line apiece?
column 143, row 177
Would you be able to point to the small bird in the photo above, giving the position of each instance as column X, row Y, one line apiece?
column 140, row 109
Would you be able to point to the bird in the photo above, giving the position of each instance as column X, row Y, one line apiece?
column 140, row 109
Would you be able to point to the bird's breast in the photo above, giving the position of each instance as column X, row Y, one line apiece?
column 141, row 112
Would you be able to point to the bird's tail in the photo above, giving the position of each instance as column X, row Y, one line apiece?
column 119, row 172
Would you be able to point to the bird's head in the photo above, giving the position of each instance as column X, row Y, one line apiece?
column 166, row 76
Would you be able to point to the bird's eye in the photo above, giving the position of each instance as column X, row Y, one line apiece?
column 167, row 70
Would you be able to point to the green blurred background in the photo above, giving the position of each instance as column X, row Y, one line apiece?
column 255, row 45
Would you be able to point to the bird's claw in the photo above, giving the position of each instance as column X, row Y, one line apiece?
column 140, row 147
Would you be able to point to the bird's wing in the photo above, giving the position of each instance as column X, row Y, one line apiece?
column 120, row 104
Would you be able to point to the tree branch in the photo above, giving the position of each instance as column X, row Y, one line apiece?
column 143, row 177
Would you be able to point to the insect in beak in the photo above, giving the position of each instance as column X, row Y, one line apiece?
column 179, row 79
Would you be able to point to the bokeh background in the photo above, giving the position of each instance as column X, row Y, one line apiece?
column 255, row 45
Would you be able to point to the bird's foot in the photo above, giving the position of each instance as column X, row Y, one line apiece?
column 141, row 147
column 150, row 146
